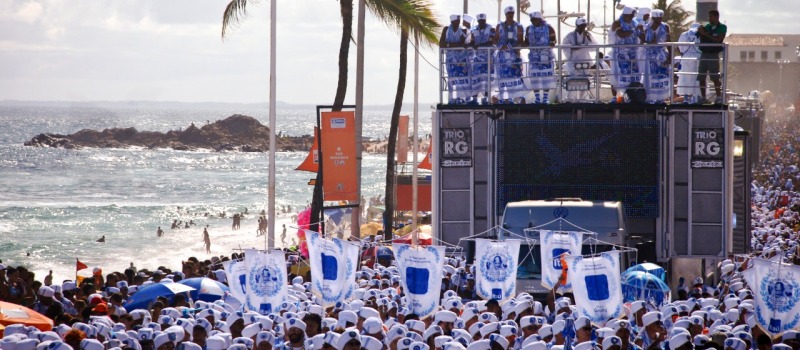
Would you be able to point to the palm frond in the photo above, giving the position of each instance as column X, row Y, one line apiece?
column 416, row 16
column 234, row 13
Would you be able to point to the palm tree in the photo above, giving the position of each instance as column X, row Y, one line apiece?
column 392, row 12
column 413, row 18
column 678, row 19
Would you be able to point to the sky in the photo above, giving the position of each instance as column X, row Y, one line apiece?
column 171, row 50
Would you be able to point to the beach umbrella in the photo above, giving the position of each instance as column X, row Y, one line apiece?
column 370, row 229
column 145, row 296
column 16, row 314
column 640, row 285
column 206, row 289
column 650, row 268
column 425, row 237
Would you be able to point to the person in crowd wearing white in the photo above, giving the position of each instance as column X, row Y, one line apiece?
column 688, row 87
column 656, row 57
column 578, row 56
column 453, row 38
column 482, row 39
column 540, row 37
column 508, row 37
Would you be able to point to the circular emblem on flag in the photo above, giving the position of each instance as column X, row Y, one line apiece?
column 779, row 294
column 265, row 280
column 561, row 212
column 496, row 265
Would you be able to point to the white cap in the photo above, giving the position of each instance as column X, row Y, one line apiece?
column 546, row 331
column 509, row 9
column 651, row 317
column 679, row 339
column 657, row 14
column 627, row 10
column 580, row 21
column 611, row 341
column 444, row 316
column 372, row 325
column 535, row 14
column 467, row 18
column 295, row 323
column 636, row 306
column 587, row 345
column 481, row 16
column 581, row 322
column 735, row 344
column 454, row 17
column 643, row 11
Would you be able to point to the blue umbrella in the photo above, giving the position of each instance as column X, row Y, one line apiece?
column 146, row 295
column 206, row 289
column 649, row 268
column 640, row 285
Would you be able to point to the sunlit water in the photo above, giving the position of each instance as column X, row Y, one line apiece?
column 55, row 203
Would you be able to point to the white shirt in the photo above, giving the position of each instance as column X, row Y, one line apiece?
column 575, row 39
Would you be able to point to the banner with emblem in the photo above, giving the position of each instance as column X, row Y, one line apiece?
column 267, row 283
column 596, row 285
column 553, row 244
column 496, row 273
column 333, row 268
column 237, row 278
column 776, row 291
column 421, row 271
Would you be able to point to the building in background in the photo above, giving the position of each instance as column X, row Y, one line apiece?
column 764, row 62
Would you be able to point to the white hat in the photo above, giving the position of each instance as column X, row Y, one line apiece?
column 372, row 325
column 46, row 292
column 679, row 339
column 627, row 10
column 605, row 332
column 295, row 323
column 431, row 331
column 636, row 306
column 558, row 326
column 509, row 9
column 264, row 336
column 611, row 341
column 580, row 21
column 370, row 343
column 444, row 316
column 581, row 322
column 535, row 14
column 700, row 340
column 657, row 14
column 367, row 312
column 481, row 16
column 161, row 339
column 467, row 18
column 454, row 17
column 499, row 340
column 347, row 336
column 643, row 11
column 651, row 317
column 546, row 331
column 735, row 344
column 587, row 345
column 536, row 345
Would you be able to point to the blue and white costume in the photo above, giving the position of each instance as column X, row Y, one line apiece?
column 540, row 58
column 624, row 66
column 508, row 67
column 687, row 80
column 656, row 74
column 458, row 83
column 480, row 61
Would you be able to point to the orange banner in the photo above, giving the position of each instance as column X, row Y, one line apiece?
column 402, row 140
column 426, row 162
column 339, row 156
column 311, row 163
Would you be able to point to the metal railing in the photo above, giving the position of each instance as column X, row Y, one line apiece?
column 490, row 75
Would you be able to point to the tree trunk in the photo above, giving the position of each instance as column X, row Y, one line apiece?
column 388, row 214
column 346, row 9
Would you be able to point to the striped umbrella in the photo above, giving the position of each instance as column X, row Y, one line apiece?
column 206, row 289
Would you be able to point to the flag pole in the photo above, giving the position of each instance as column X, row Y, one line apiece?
column 269, row 238
column 415, row 147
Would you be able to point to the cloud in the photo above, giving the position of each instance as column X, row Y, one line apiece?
column 54, row 32
column 29, row 12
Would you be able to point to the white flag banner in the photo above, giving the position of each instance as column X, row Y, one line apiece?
column 421, row 270
column 267, row 284
column 777, row 294
column 553, row 244
column 237, row 279
column 496, row 276
column 596, row 285
column 333, row 268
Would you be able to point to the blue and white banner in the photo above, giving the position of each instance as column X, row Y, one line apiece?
column 237, row 279
column 421, row 270
column 496, row 273
column 553, row 244
column 333, row 268
column 777, row 294
column 596, row 286
column 267, row 283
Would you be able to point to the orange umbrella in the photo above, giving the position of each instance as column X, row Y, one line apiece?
column 14, row 314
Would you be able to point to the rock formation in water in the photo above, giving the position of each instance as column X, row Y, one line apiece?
column 235, row 133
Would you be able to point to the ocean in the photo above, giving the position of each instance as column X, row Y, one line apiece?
column 55, row 203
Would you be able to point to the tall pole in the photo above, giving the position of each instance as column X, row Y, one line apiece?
column 272, row 124
column 415, row 147
column 355, row 220
column 466, row 7
column 588, row 11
